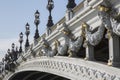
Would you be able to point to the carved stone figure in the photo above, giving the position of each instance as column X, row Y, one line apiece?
column 73, row 44
column 115, row 26
column 105, row 19
column 109, row 20
column 93, row 38
column 61, row 49
column 46, row 49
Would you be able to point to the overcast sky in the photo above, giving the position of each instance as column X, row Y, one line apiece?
column 14, row 14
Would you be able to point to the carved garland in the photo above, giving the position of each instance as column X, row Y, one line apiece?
column 93, row 38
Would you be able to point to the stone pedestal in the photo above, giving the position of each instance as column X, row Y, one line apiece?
column 48, row 31
column 114, row 51
column 69, row 15
column 89, row 52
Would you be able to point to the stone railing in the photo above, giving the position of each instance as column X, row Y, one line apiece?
column 71, row 68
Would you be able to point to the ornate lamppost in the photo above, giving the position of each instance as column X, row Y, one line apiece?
column 13, row 46
column 36, row 21
column 17, row 52
column 27, row 34
column 13, row 53
column 50, row 23
column 71, row 4
column 9, row 53
column 69, row 13
column 20, row 40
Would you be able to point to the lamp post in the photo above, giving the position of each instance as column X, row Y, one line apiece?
column 50, row 6
column 71, row 4
column 12, row 51
column 9, row 53
column 20, row 40
column 13, row 46
column 17, row 52
column 50, row 23
column 36, row 21
column 27, row 34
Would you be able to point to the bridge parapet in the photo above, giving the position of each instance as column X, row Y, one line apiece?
column 71, row 68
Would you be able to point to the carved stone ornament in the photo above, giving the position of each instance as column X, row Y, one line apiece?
column 74, row 44
column 61, row 49
column 115, row 26
column 108, row 17
column 93, row 38
column 46, row 49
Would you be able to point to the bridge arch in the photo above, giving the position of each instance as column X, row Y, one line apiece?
column 65, row 68
column 35, row 75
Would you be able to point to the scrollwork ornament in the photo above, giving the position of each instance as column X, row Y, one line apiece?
column 99, row 75
column 108, row 77
column 115, row 26
column 117, row 78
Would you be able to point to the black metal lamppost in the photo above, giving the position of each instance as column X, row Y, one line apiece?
column 50, row 6
column 13, row 46
column 9, row 53
column 36, row 21
column 71, row 4
column 20, row 40
column 27, row 34
column 13, row 53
